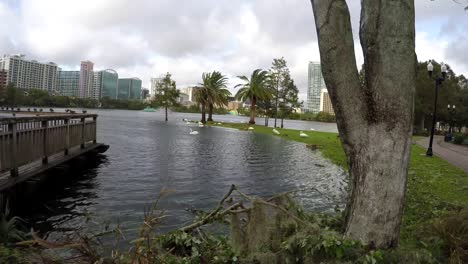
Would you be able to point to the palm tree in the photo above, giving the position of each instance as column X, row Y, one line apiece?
column 254, row 89
column 215, row 87
column 201, row 97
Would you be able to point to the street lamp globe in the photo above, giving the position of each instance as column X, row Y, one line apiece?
column 430, row 68
column 443, row 69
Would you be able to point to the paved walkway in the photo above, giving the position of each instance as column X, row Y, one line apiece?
column 454, row 154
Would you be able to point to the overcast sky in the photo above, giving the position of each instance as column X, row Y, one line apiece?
column 145, row 38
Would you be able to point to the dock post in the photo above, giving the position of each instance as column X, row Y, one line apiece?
column 67, row 136
column 45, row 155
column 95, row 129
column 14, row 145
column 83, row 120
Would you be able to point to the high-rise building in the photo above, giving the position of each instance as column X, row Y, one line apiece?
column 105, row 84
column 325, row 102
column 68, row 83
column 29, row 74
column 85, row 86
column 315, row 85
column 129, row 88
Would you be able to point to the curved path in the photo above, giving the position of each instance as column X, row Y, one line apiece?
column 456, row 155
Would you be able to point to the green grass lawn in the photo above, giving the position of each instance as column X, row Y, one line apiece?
column 434, row 185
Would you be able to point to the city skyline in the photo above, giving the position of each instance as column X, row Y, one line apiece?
column 250, row 38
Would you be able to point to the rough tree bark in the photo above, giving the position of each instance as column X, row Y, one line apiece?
column 374, row 119
column 252, row 110
column 210, row 112
column 203, row 113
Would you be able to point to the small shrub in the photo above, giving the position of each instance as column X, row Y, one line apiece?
column 458, row 139
column 450, row 234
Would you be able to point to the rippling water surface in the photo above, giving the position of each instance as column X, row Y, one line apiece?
column 147, row 155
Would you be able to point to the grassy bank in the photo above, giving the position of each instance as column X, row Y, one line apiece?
column 434, row 185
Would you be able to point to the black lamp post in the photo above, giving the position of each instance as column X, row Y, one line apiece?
column 451, row 111
column 438, row 81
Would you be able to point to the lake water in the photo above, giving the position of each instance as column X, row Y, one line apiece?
column 147, row 155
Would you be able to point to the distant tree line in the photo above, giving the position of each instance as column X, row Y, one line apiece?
column 454, row 91
column 13, row 97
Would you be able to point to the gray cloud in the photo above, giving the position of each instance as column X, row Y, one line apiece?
column 185, row 37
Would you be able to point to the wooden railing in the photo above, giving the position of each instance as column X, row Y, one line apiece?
column 30, row 138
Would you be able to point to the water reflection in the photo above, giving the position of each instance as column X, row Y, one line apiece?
column 57, row 199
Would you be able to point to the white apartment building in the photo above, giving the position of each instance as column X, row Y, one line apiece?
column 30, row 74
column 190, row 92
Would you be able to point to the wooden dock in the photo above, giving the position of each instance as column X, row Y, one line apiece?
column 30, row 145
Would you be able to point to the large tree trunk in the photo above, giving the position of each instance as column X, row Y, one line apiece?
column 210, row 112
column 203, row 113
column 252, row 110
column 375, row 119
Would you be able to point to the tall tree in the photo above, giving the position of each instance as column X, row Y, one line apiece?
column 289, row 98
column 279, row 75
column 254, row 89
column 167, row 93
column 217, row 94
column 374, row 119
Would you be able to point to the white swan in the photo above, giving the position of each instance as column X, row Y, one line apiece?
column 251, row 128
column 200, row 124
column 192, row 132
column 276, row 131
column 303, row 135
column 313, row 129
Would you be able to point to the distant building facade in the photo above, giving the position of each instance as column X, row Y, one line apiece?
column 105, row 84
column 325, row 102
column 183, row 98
column 189, row 91
column 234, row 105
column 314, row 87
column 68, row 83
column 29, row 74
column 85, row 86
column 154, row 85
column 129, row 88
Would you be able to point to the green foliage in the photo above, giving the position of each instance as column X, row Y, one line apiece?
column 167, row 93
column 108, row 103
column 40, row 98
column 458, row 139
column 196, row 109
column 255, row 89
column 320, row 117
column 453, row 91
column 181, row 247
column 11, row 255
column 325, row 117
column 213, row 92
column 10, row 228
column 449, row 234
